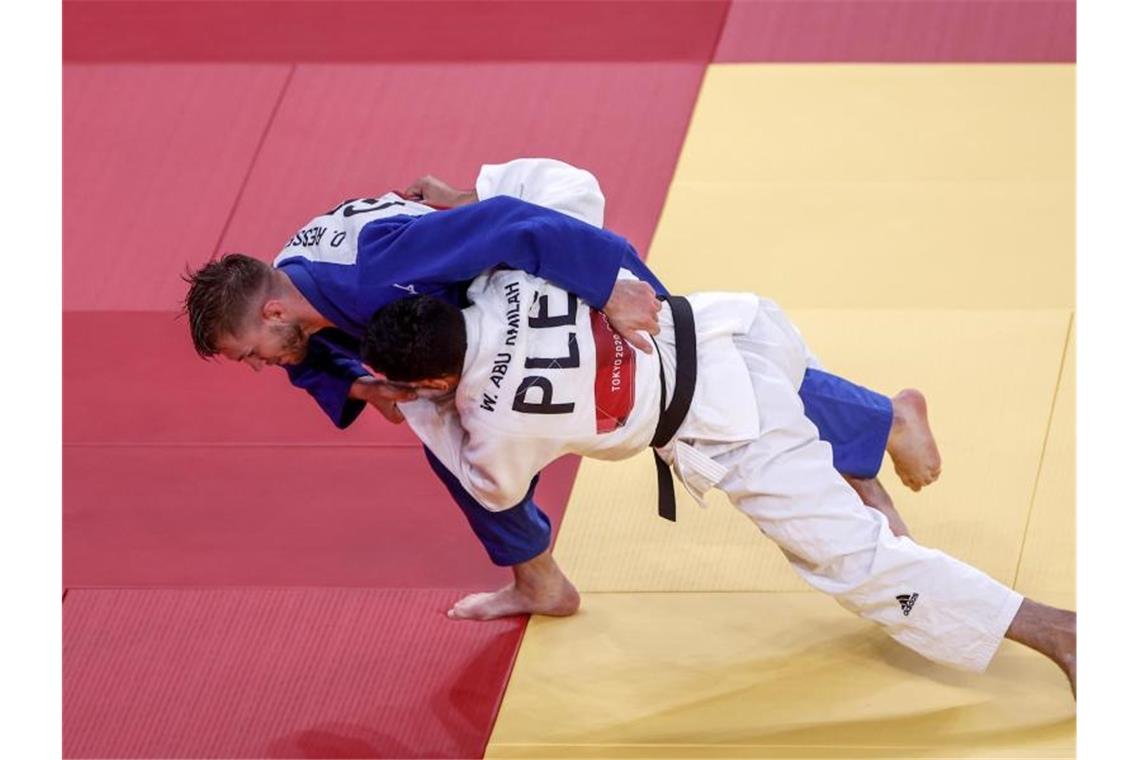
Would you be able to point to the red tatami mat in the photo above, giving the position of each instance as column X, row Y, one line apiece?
column 346, row 131
column 154, row 157
column 272, row 515
column 391, row 30
column 133, row 377
column 180, row 473
column 899, row 31
column 252, row 673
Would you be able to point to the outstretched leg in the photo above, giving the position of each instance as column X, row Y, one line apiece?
column 539, row 588
column 936, row 605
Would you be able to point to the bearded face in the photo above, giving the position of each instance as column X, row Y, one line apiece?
column 275, row 342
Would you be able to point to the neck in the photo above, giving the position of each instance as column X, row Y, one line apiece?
column 309, row 318
column 462, row 351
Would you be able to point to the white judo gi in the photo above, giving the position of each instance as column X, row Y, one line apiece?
column 545, row 376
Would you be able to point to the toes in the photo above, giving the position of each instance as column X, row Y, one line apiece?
column 466, row 607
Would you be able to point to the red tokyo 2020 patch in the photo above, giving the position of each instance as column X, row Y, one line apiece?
column 614, row 380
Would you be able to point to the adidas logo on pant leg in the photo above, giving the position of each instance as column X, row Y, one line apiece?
column 906, row 601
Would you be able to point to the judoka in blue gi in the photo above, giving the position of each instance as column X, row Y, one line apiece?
column 308, row 313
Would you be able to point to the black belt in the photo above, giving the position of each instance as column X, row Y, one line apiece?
column 671, row 418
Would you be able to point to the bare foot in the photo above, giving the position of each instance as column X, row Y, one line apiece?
column 911, row 443
column 510, row 600
column 540, row 588
column 873, row 494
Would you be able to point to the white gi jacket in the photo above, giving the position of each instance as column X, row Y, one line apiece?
column 545, row 182
column 544, row 375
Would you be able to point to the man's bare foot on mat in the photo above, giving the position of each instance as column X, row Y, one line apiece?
column 539, row 588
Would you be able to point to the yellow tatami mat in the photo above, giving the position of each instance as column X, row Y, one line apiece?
column 1047, row 569
column 870, row 186
column 916, row 222
column 763, row 675
column 989, row 377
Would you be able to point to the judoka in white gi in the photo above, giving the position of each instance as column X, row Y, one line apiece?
column 528, row 372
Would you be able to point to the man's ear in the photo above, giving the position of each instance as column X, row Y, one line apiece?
column 439, row 383
column 273, row 310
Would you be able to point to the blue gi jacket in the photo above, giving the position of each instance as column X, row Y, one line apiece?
column 435, row 254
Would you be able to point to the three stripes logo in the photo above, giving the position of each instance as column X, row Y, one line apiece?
column 906, row 601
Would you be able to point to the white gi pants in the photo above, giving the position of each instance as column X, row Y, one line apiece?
column 928, row 601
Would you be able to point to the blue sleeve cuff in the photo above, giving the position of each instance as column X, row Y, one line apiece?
column 327, row 374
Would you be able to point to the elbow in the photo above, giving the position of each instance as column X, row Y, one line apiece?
column 493, row 495
column 497, row 499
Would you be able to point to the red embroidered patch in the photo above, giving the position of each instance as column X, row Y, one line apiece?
column 615, row 375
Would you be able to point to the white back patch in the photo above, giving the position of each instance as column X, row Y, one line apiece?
column 331, row 237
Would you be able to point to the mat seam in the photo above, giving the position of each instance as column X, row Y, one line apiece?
column 719, row 35
column 677, row 159
column 1044, row 449
column 506, row 685
column 558, row 532
column 256, row 154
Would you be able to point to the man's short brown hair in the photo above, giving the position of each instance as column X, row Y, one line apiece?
column 220, row 297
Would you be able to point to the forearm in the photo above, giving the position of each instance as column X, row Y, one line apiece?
column 575, row 256
column 507, row 232
column 463, row 197
column 361, row 388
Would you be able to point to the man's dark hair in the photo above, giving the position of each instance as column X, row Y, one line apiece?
column 417, row 338
column 220, row 296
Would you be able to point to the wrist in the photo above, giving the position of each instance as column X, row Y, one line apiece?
column 359, row 388
column 611, row 298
